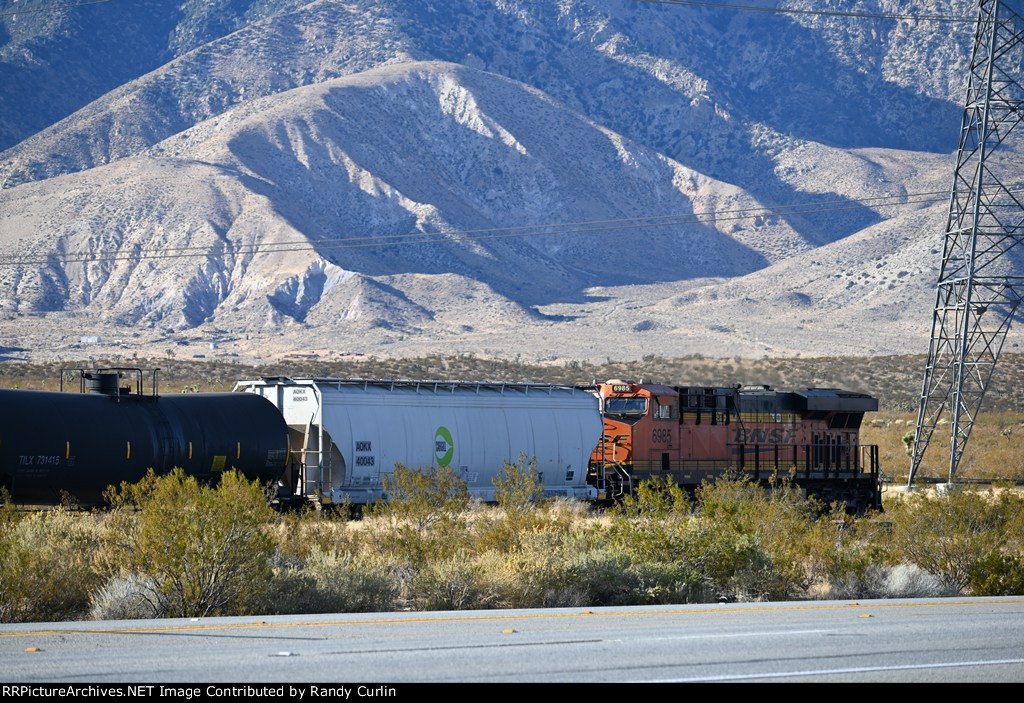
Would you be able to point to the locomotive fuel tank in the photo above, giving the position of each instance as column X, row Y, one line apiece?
column 52, row 443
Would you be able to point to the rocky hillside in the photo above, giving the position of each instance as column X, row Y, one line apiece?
column 582, row 178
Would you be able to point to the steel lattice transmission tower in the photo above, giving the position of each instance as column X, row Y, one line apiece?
column 978, row 293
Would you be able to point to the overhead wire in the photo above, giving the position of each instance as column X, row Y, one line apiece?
column 450, row 237
column 382, row 239
column 824, row 13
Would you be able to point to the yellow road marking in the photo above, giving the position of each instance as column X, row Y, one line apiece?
column 483, row 618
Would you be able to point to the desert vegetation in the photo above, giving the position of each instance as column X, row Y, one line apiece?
column 170, row 546
column 995, row 452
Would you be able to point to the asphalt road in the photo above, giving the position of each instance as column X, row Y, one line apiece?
column 960, row 639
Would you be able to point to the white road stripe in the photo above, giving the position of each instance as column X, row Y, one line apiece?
column 820, row 672
column 775, row 633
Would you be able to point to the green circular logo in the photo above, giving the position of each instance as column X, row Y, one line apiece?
column 444, row 446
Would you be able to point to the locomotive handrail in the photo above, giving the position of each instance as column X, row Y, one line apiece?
column 817, row 457
column 621, row 471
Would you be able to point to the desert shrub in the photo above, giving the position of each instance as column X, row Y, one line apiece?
column 657, row 498
column 847, row 557
column 952, row 536
column 677, row 556
column 606, row 576
column 909, row 581
column 534, row 578
column 997, row 574
column 522, row 508
column 452, row 584
column 127, row 597
column 502, row 530
column 868, row 577
column 423, row 497
column 330, row 583
column 653, row 524
column 760, row 543
column 666, row 583
column 517, row 488
column 46, row 565
column 424, row 518
column 296, row 533
column 877, row 580
column 206, row 550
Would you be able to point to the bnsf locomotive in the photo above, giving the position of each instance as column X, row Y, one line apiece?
column 692, row 434
column 334, row 440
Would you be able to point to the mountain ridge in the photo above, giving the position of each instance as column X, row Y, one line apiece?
column 586, row 178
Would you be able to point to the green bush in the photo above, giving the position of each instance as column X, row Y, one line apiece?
column 424, row 518
column 46, row 565
column 206, row 550
column 518, row 488
column 330, row 583
column 535, row 578
column 452, row 584
column 760, row 542
column 666, row 583
column 954, row 536
column 997, row 574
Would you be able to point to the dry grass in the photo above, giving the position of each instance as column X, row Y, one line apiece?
column 994, row 452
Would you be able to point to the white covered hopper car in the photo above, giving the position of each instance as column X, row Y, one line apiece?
column 346, row 435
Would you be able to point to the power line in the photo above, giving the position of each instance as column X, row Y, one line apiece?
column 420, row 238
column 51, row 8
column 825, row 13
column 652, row 220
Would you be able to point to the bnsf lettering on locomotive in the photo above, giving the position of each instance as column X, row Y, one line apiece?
column 364, row 461
column 765, row 436
column 364, row 447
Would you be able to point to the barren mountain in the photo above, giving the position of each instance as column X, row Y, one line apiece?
column 585, row 178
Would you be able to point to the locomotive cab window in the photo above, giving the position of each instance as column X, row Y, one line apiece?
column 664, row 411
column 630, row 406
